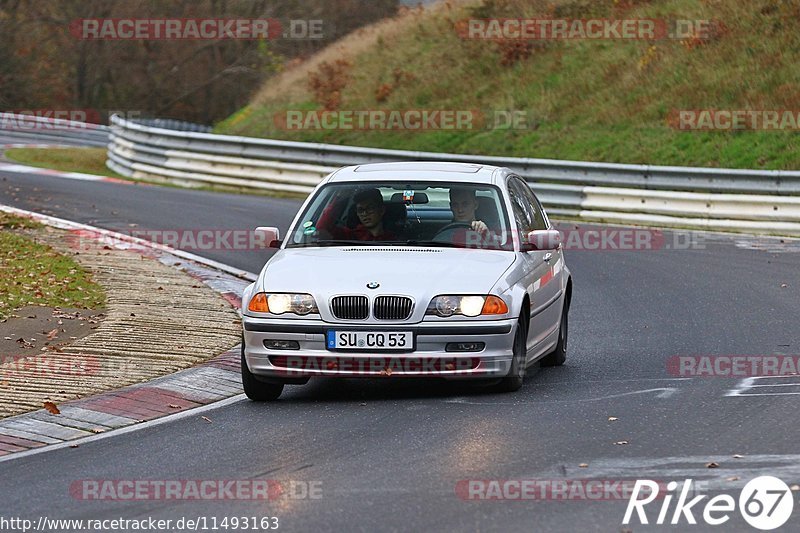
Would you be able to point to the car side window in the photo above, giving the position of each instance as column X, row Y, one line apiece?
column 531, row 205
column 522, row 215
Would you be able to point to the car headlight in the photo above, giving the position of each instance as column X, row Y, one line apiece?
column 278, row 304
column 467, row 305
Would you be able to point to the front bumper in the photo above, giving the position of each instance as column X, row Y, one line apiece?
column 428, row 358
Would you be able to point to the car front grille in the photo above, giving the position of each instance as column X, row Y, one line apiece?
column 392, row 307
column 356, row 307
column 350, row 307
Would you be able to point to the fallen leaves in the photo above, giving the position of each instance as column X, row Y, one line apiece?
column 583, row 465
column 51, row 408
column 737, row 456
column 24, row 343
column 712, row 465
column 174, row 406
column 732, row 478
column 612, row 418
column 795, row 488
column 52, row 334
column 621, row 443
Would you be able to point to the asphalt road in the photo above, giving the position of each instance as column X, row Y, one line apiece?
column 389, row 455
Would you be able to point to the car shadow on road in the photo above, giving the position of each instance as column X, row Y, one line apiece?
column 387, row 388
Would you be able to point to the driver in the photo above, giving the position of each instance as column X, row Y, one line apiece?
column 463, row 204
column 370, row 211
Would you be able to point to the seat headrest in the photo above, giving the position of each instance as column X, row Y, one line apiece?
column 487, row 211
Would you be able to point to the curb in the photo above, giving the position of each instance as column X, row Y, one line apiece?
column 25, row 169
column 210, row 382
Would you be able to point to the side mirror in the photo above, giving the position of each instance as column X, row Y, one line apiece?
column 268, row 236
column 544, row 239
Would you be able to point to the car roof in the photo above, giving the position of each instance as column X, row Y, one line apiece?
column 417, row 171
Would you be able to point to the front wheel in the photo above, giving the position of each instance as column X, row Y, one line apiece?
column 558, row 356
column 516, row 374
column 258, row 391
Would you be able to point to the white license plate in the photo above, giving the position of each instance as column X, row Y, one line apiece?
column 370, row 340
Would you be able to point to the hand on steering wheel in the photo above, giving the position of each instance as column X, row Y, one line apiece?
column 452, row 226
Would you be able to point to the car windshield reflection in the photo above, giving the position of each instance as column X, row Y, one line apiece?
column 451, row 215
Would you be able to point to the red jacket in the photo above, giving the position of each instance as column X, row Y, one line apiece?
column 359, row 233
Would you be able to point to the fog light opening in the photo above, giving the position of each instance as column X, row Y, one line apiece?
column 274, row 344
column 464, row 346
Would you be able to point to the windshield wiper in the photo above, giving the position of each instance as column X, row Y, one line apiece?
column 343, row 242
column 442, row 244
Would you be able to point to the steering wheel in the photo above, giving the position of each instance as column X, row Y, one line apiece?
column 452, row 226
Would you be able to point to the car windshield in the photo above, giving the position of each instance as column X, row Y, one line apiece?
column 457, row 215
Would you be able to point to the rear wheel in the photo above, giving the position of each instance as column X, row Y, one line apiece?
column 256, row 390
column 516, row 374
column 558, row 356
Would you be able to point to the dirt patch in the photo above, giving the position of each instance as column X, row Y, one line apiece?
column 32, row 330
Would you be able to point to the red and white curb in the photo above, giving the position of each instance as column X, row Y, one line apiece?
column 216, row 381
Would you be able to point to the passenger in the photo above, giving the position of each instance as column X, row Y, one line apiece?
column 370, row 211
column 463, row 204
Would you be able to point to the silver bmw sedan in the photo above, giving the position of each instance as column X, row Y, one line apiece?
column 391, row 270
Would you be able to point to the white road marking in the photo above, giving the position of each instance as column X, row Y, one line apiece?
column 666, row 392
column 680, row 468
column 751, row 383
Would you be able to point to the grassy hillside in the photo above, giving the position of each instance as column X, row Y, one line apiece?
column 605, row 100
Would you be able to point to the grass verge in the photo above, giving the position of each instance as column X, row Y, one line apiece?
column 35, row 274
column 592, row 100
column 83, row 160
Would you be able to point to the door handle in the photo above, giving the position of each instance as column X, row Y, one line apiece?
column 548, row 256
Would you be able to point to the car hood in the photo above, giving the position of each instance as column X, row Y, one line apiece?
column 418, row 272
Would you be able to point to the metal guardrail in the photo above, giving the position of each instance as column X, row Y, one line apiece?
column 31, row 129
column 173, row 124
column 723, row 199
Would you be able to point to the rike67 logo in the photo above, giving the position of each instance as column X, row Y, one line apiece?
column 766, row 503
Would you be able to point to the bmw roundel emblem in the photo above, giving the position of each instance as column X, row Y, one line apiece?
column 373, row 285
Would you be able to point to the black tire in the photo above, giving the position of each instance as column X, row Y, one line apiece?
column 256, row 390
column 516, row 374
column 559, row 356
